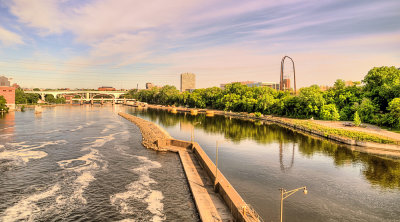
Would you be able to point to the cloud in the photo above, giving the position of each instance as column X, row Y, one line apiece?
column 8, row 38
column 44, row 15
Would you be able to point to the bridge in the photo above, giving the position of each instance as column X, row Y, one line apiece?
column 85, row 95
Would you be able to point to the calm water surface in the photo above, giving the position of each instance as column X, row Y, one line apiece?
column 257, row 159
column 85, row 163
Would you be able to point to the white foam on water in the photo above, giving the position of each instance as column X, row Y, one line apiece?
column 5, row 135
column 108, row 127
column 26, row 209
column 22, row 155
column 92, row 163
column 77, row 128
column 23, row 152
column 140, row 190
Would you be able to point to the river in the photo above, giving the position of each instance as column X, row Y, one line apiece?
column 258, row 159
column 85, row 163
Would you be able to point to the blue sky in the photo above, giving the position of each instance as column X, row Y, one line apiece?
column 86, row 44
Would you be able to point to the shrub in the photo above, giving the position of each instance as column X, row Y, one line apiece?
column 357, row 120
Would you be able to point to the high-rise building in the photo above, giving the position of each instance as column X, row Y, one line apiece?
column 149, row 85
column 188, row 82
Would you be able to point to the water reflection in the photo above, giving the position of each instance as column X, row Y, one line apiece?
column 379, row 171
column 283, row 167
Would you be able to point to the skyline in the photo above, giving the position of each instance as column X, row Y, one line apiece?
column 74, row 44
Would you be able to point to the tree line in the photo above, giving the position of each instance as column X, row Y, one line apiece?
column 376, row 100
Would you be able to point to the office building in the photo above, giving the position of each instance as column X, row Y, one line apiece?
column 188, row 82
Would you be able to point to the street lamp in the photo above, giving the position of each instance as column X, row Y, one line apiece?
column 216, row 161
column 192, row 133
column 285, row 194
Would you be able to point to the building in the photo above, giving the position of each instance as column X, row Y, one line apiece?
column 188, row 82
column 4, row 81
column 324, row 88
column 272, row 85
column 286, row 84
column 349, row 83
column 16, row 86
column 222, row 86
column 106, row 88
column 149, row 85
column 8, row 92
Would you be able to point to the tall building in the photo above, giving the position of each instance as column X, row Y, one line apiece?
column 149, row 85
column 8, row 92
column 188, row 82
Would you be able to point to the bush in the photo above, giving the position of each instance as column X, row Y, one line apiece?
column 357, row 120
column 257, row 114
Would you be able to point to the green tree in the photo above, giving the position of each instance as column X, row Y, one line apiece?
column 382, row 85
column 3, row 103
column 310, row 101
column 357, row 120
column 329, row 112
column 20, row 96
column 393, row 117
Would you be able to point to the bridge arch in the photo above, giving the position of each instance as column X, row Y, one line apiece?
column 282, row 72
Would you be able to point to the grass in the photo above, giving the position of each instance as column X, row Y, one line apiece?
column 360, row 136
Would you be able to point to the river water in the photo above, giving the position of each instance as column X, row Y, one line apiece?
column 258, row 159
column 85, row 163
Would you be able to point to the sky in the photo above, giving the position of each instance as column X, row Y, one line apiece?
column 126, row 43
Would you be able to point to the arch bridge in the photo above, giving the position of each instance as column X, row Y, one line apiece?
column 85, row 95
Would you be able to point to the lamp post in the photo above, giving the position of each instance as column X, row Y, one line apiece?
column 285, row 194
column 216, row 161
column 192, row 133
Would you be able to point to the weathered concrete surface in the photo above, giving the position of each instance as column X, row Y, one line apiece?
column 210, row 205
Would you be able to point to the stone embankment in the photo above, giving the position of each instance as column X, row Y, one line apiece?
column 214, row 196
column 150, row 131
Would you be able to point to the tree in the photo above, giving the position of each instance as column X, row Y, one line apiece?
column 357, row 120
column 329, row 112
column 311, row 101
column 20, row 96
column 393, row 117
column 3, row 103
column 382, row 85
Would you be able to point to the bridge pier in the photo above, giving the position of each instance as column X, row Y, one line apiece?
column 81, row 101
column 101, row 101
column 91, row 101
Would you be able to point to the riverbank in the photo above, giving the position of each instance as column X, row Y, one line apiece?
column 204, row 182
column 354, row 136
